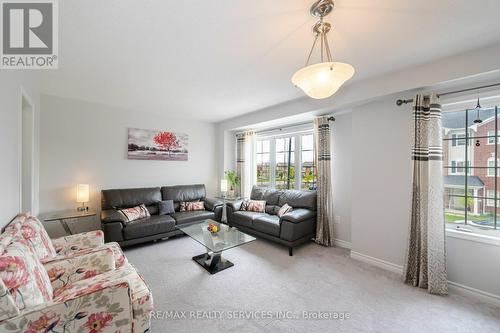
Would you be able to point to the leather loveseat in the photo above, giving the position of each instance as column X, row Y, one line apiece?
column 116, row 229
column 292, row 229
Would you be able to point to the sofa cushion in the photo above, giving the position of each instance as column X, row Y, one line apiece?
column 24, row 276
column 149, row 226
column 181, row 193
column 286, row 208
column 272, row 209
column 299, row 199
column 31, row 229
column 125, row 198
column 268, row 224
column 269, row 195
column 193, row 216
column 245, row 218
column 142, row 301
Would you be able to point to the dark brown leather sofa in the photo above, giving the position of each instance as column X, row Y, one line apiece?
column 156, row 226
column 292, row 229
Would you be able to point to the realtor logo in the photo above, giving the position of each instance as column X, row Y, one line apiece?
column 29, row 34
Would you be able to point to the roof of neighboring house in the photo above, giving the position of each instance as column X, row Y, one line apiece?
column 456, row 119
column 457, row 180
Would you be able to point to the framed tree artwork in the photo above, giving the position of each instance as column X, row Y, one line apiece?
column 157, row 145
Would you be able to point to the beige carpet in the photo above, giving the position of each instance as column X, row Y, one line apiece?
column 265, row 283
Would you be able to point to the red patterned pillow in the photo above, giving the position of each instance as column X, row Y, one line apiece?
column 192, row 206
column 135, row 213
column 258, row 206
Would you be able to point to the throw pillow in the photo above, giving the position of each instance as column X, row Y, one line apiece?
column 166, row 207
column 24, row 276
column 192, row 206
column 286, row 208
column 258, row 206
column 135, row 213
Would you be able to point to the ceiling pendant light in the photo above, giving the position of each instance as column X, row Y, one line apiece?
column 323, row 79
column 478, row 108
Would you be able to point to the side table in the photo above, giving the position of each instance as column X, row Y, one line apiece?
column 63, row 215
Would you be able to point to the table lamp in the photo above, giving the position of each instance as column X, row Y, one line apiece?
column 223, row 187
column 82, row 196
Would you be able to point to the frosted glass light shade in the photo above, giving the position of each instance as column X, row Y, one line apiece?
column 322, row 80
column 223, row 185
column 82, row 193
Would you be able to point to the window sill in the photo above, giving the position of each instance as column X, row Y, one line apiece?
column 473, row 237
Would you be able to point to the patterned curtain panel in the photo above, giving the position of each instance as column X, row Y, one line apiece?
column 324, row 228
column 425, row 265
column 244, row 162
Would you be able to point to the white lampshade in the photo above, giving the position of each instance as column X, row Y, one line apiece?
column 324, row 79
column 82, row 193
column 223, row 185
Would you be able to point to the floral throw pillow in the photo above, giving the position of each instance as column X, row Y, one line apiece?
column 24, row 276
column 286, row 208
column 192, row 206
column 135, row 213
column 258, row 206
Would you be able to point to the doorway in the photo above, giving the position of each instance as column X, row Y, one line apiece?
column 27, row 153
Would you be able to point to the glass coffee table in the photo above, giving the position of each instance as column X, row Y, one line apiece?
column 226, row 238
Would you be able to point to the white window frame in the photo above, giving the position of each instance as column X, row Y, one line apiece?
column 491, row 138
column 297, row 134
column 488, row 170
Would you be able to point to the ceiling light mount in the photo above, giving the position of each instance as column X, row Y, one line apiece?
column 321, row 8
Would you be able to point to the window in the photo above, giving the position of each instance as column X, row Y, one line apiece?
column 458, row 140
column 286, row 161
column 471, row 187
column 491, row 167
column 263, row 152
column 307, row 169
column 491, row 137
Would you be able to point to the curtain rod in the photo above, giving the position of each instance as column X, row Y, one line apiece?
column 400, row 102
column 331, row 118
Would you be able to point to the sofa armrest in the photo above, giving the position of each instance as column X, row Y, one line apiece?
column 68, row 270
column 298, row 215
column 75, row 314
column 212, row 204
column 112, row 215
column 78, row 241
column 235, row 205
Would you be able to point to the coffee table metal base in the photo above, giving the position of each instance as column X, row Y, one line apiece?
column 213, row 262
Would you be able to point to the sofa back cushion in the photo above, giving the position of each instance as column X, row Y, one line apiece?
column 269, row 195
column 32, row 230
column 183, row 193
column 299, row 199
column 126, row 198
column 24, row 276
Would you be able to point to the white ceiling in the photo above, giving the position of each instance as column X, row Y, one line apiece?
column 217, row 59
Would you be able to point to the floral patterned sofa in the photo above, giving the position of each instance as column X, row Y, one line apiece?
column 70, row 284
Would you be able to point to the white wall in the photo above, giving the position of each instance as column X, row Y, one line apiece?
column 11, row 83
column 381, row 198
column 342, row 176
column 87, row 143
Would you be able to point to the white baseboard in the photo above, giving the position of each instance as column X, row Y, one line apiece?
column 377, row 262
column 342, row 243
column 460, row 289
column 453, row 287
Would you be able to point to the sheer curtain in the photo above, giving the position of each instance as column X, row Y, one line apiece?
column 245, row 166
column 425, row 265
